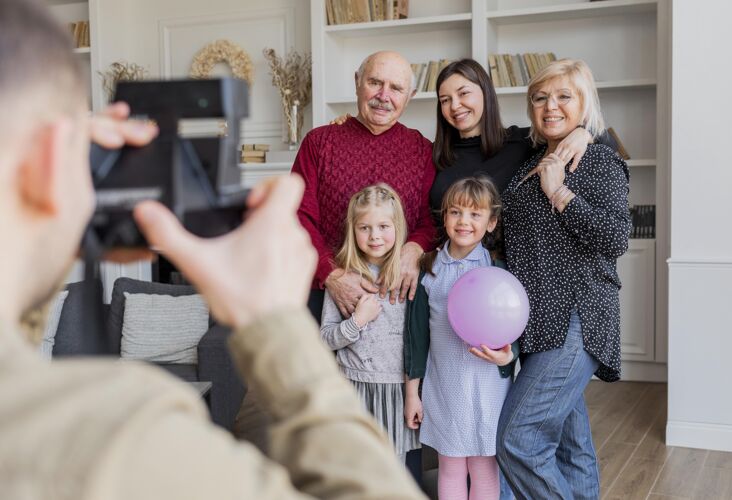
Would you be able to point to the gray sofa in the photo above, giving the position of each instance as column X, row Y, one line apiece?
column 74, row 337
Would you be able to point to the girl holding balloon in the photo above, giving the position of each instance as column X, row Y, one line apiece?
column 464, row 386
column 369, row 344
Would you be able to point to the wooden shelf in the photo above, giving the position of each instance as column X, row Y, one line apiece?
column 646, row 162
column 402, row 26
column 571, row 11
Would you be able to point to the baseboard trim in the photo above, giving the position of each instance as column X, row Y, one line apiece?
column 639, row 371
column 697, row 435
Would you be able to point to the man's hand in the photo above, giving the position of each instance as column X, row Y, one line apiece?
column 112, row 129
column 265, row 265
column 346, row 288
column 500, row 357
column 411, row 253
column 573, row 147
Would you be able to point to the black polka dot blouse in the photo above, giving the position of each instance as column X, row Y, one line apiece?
column 567, row 260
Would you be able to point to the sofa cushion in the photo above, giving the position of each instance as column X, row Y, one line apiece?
column 45, row 348
column 117, row 305
column 162, row 328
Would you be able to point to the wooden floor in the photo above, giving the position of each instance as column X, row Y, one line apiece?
column 628, row 427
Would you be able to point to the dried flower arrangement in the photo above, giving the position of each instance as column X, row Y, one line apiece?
column 223, row 51
column 118, row 72
column 293, row 78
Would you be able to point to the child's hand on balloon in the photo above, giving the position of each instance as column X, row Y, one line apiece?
column 500, row 357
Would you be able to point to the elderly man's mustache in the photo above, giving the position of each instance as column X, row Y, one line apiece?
column 377, row 104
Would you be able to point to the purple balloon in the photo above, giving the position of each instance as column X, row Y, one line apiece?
column 488, row 306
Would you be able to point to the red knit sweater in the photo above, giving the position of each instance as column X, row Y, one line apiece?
column 337, row 161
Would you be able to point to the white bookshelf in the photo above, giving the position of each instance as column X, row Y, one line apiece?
column 253, row 173
column 68, row 11
column 625, row 42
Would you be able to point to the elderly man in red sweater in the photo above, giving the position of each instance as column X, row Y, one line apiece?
column 337, row 161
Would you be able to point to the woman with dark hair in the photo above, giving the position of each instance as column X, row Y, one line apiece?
column 471, row 138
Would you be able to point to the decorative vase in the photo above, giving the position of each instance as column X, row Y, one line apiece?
column 293, row 126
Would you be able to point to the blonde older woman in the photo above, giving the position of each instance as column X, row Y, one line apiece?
column 564, row 232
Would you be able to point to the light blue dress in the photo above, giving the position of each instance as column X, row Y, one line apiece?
column 462, row 395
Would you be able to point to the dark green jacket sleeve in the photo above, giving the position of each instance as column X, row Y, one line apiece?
column 417, row 333
column 509, row 369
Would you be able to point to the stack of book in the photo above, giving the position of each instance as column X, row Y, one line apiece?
column 365, row 11
column 644, row 221
column 80, row 33
column 425, row 74
column 254, row 153
column 517, row 70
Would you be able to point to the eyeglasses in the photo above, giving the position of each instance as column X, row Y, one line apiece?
column 539, row 99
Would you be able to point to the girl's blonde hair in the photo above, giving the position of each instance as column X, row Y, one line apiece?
column 350, row 257
column 475, row 192
column 581, row 79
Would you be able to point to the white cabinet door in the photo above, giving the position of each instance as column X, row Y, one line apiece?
column 637, row 301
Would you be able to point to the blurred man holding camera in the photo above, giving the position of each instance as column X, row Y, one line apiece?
column 99, row 429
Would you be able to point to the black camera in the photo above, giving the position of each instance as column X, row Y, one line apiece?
column 192, row 167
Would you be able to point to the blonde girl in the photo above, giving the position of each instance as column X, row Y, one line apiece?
column 369, row 344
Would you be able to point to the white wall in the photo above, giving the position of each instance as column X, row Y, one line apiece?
column 700, row 268
column 164, row 35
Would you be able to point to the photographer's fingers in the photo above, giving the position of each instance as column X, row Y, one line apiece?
column 281, row 194
column 259, row 192
column 111, row 128
column 119, row 110
column 164, row 232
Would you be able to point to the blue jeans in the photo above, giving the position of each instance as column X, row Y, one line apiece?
column 544, row 445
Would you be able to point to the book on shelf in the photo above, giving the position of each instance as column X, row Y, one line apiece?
column 255, row 147
column 80, row 34
column 616, row 143
column 425, row 74
column 365, row 11
column 643, row 219
column 493, row 68
column 246, row 159
column 517, row 70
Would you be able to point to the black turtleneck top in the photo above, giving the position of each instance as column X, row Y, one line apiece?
column 469, row 161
